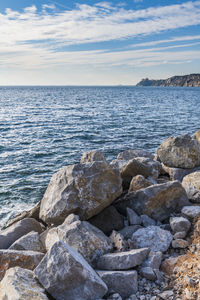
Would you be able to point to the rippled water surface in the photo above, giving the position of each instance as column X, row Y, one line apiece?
column 45, row 128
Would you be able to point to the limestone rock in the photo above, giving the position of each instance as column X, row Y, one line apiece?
column 65, row 274
column 17, row 230
column 88, row 240
column 152, row 237
column 108, row 220
column 179, row 224
column 147, row 221
column 197, row 136
column 92, row 156
column 122, row 260
column 13, row 258
column 130, row 154
column 179, row 243
column 191, row 211
column 30, row 241
column 133, row 218
column 191, row 184
column 178, row 173
column 157, row 201
column 128, row 231
column 180, row 152
column 139, row 182
column 148, row 273
column 85, row 189
column 20, row 284
column 122, row 282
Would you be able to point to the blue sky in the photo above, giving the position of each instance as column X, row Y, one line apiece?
column 97, row 43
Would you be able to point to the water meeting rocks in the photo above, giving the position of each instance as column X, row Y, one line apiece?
column 65, row 274
column 85, row 189
column 17, row 230
column 157, row 201
column 180, row 152
column 88, row 240
column 20, row 284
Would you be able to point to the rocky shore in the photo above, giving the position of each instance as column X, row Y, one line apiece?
column 128, row 229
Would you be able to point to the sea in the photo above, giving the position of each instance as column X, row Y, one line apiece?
column 44, row 128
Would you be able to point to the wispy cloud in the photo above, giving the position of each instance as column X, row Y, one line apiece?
column 31, row 39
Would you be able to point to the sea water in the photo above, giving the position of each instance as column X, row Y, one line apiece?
column 45, row 128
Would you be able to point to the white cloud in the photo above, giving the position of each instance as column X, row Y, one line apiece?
column 30, row 39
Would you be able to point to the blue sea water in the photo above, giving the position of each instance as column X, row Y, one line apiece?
column 45, row 128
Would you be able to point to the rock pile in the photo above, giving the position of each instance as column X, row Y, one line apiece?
column 118, row 230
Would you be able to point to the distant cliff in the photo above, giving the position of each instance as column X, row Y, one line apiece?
column 186, row 80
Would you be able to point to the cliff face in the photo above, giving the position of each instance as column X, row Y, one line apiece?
column 192, row 80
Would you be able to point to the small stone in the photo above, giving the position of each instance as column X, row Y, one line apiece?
column 115, row 296
column 180, row 235
column 179, row 224
column 122, row 282
column 191, row 211
column 179, row 243
column 133, row 218
column 122, row 260
column 132, row 297
column 147, row 221
column 148, row 273
column 154, row 260
column 166, row 295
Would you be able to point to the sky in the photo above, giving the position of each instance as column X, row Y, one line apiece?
column 81, row 42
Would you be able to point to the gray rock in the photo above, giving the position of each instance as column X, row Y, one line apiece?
column 132, row 153
column 157, row 201
column 148, row 273
column 178, row 173
column 115, row 296
column 147, row 221
column 17, row 230
column 179, row 243
column 84, row 189
column 179, row 224
column 122, row 282
column 65, row 274
column 152, row 237
column 191, row 211
column 154, row 260
column 180, row 152
column 122, row 260
column 108, row 220
column 92, row 156
column 180, row 235
column 132, row 297
column 128, row 231
column 133, row 218
column 14, row 258
column 88, row 240
column 139, row 182
column 30, row 241
column 19, row 284
column 191, row 184
column 166, row 294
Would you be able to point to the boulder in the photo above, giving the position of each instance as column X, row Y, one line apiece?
column 152, row 237
column 122, row 260
column 122, row 282
column 139, row 182
column 148, row 273
column 9, row 235
column 92, row 156
column 178, row 173
column 179, row 243
column 85, row 189
column 65, row 274
column 180, row 235
column 147, row 221
column 19, row 284
column 157, row 201
column 191, row 211
column 13, row 258
column 128, row 231
column 88, row 240
column 179, row 224
column 197, row 136
column 130, row 154
column 30, row 241
column 191, row 184
column 133, row 218
column 108, row 220
column 180, row 152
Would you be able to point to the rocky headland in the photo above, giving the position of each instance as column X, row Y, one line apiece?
column 192, row 80
column 128, row 229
